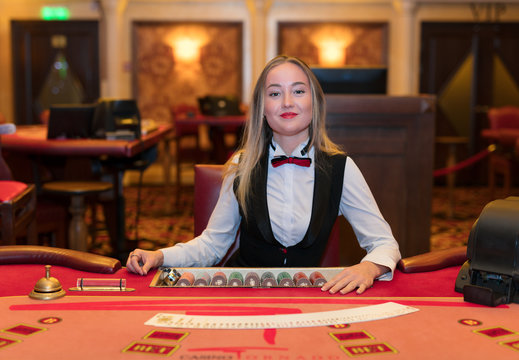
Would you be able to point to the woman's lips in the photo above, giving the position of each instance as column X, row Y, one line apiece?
column 288, row 115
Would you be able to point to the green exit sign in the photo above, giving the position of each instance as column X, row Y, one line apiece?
column 54, row 13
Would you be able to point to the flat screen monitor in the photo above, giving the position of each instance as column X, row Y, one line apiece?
column 352, row 80
column 70, row 121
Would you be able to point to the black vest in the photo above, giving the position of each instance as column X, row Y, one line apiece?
column 259, row 248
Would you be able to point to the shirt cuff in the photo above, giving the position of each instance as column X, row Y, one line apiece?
column 388, row 276
column 172, row 256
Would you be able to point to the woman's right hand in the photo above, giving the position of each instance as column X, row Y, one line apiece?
column 141, row 261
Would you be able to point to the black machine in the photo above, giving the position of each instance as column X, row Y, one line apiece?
column 117, row 119
column 70, row 121
column 352, row 80
column 219, row 105
column 490, row 276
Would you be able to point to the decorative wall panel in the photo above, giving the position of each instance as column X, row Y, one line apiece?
column 175, row 63
column 335, row 44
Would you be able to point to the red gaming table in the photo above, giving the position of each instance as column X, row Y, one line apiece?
column 110, row 325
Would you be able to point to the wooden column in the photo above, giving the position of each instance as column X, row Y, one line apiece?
column 258, row 10
column 403, row 55
column 113, row 11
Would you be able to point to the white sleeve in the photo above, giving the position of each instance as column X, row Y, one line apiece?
column 210, row 247
column 373, row 232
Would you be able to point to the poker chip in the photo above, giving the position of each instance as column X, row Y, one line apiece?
column 268, row 279
column 317, row 279
column 203, row 279
column 284, row 279
column 186, row 279
column 236, row 279
column 219, row 279
column 300, row 279
column 252, row 279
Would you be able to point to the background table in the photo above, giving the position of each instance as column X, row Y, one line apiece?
column 32, row 141
column 218, row 126
column 110, row 325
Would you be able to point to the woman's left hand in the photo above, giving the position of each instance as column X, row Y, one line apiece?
column 360, row 277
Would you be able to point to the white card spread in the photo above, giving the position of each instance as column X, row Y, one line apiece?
column 323, row 318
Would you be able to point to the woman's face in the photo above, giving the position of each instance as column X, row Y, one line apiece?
column 288, row 103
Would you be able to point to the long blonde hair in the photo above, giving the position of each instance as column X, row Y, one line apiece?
column 257, row 134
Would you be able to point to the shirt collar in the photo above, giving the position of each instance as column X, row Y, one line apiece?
column 300, row 150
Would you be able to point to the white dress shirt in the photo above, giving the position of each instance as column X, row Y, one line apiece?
column 289, row 197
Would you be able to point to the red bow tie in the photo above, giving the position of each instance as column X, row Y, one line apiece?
column 280, row 160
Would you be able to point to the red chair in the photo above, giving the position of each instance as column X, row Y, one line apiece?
column 17, row 203
column 208, row 181
column 17, row 212
column 504, row 132
column 50, row 216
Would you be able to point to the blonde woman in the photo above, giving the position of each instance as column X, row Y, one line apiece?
column 283, row 191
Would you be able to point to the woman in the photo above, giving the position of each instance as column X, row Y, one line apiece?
column 286, row 157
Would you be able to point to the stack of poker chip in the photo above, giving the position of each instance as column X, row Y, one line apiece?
column 236, row 278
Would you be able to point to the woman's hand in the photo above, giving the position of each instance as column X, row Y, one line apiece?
column 141, row 261
column 360, row 277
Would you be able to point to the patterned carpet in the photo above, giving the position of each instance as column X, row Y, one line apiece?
column 451, row 231
column 158, row 229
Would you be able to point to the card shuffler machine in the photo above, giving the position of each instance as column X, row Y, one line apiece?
column 490, row 276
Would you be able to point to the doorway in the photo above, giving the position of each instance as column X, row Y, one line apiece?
column 470, row 67
column 53, row 62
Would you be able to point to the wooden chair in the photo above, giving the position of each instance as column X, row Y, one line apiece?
column 208, row 181
column 184, row 151
column 506, row 121
column 17, row 212
column 51, row 216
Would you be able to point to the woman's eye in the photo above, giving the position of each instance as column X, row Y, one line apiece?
column 299, row 91
column 274, row 94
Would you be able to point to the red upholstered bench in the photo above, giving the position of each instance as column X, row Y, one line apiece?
column 17, row 211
